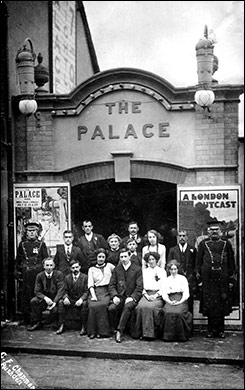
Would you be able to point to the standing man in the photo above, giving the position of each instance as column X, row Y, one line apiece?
column 215, row 271
column 75, row 297
column 185, row 254
column 125, row 288
column 67, row 252
column 90, row 242
column 133, row 230
column 30, row 253
column 49, row 289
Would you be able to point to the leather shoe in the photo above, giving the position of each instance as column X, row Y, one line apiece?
column 61, row 329
column 118, row 336
column 36, row 326
column 221, row 335
column 210, row 335
column 83, row 331
column 92, row 336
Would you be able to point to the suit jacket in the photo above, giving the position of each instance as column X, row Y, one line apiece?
column 88, row 248
column 61, row 262
column 126, row 283
column 56, row 290
column 78, row 289
column 187, row 262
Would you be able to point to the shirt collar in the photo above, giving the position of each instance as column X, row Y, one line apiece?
column 76, row 276
column 183, row 247
column 126, row 266
column 49, row 275
column 89, row 236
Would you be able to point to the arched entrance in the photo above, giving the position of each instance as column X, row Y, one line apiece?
column 110, row 206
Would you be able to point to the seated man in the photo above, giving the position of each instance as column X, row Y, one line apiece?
column 125, row 287
column 49, row 289
column 75, row 296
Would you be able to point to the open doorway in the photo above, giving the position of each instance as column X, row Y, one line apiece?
column 111, row 206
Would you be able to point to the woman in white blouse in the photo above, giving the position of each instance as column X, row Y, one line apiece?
column 177, row 320
column 99, row 298
column 149, row 308
column 154, row 246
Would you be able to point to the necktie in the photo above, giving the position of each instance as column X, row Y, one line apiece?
column 68, row 254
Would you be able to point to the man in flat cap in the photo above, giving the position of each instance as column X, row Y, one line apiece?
column 30, row 253
column 215, row 271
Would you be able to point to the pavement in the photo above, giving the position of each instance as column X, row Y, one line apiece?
column 198, row 349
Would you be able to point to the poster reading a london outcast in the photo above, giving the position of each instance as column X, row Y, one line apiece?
column 48, row 204
column 198, row 205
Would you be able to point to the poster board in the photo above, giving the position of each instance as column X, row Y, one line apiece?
column 199, row 204
column 46, row 203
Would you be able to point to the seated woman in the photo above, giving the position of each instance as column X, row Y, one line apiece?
column 149, row 308
column 114, row 249
column 177, row 320
column 99, row 298
column 154, row 246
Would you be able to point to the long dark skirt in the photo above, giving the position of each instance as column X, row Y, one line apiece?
column 98, row 321
column 148, row 317
column 177, row 320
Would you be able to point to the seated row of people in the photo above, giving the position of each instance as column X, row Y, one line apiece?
column 113, row 299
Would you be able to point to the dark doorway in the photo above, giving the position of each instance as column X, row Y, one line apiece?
column 111, row 206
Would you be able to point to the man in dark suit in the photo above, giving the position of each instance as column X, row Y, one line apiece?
column 125, row 288
column 90, row 242
column 75, row 297
column 133, row 230
column 49, row 289
column 185, row 254
column 67, row 252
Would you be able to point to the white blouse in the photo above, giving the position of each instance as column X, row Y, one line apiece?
column 100, row 276
column 160, row 248
column 175, row 284
column 154, row 278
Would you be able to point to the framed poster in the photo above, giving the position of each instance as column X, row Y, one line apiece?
column 46, row 203
column 196, row 206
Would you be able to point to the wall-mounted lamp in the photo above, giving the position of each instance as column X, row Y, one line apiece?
column 28, row 75
column 25, row 60
column 207, row 64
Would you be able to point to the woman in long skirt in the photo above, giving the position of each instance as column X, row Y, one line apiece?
column 148, row 310
column 99, row 298
column 177, row 320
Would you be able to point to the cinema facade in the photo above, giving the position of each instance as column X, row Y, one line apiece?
column 125, row 144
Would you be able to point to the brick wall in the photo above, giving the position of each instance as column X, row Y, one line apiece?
column 39, row 143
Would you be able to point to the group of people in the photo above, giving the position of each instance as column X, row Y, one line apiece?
column 129, row 285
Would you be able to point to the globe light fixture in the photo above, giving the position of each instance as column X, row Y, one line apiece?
column 204, row 97
column 28, row 106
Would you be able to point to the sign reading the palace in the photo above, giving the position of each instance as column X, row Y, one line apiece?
column 125, row 120
column 64, row 46
column 148, row 130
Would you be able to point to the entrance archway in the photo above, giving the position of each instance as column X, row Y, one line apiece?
column 110, row 206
